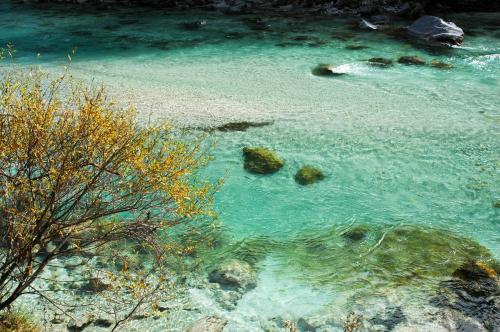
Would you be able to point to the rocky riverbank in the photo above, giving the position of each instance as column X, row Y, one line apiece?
column 398, row 8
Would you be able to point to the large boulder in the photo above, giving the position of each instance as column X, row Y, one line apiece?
column 433, row 28
column 261, row 161
column 234, row 274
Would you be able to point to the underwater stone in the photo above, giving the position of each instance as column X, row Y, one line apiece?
column 309, row 175
column 234, row 273
column 441, row 65
column 326, row 70
column 208, row 324
column 411, row 60
column 475, row 271
column 356, row 47
column 382, row 62
column 497, row 204
column 261, row 161
column 355, row 234
column 241, row 126
column 194, row 25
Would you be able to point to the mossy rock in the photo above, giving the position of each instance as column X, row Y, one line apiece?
column 411, row 60
column 262, row 161
column 356, row 47
column 386, row 256
column 441, row 65
column 326, row 70
column 309, row 175
column 380, row 62
column 475, row 270
column 355, row 234
column 241, row 126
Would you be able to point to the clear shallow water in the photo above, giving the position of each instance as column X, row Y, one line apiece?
column 403, row 145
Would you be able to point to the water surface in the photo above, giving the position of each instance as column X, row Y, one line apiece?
column 410, row 152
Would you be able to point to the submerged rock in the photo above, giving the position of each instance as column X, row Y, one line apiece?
column 261, row 161
column 309, row 175
column 474, row 271
column 208, row 324
column 356, row 233
column 474, row 292
column 194, row 25
column 435, row 29
column 381, row 62
column 241, row 126
column 441, row 65
column 411, row 60
column 397, row 255
column 356, row 47
column 326, row 70
column 234, row 273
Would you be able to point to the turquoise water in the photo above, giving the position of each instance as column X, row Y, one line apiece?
column 404, row 145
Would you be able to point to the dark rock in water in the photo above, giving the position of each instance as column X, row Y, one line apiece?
column 356, row 233
column 381, row 62
column 101, row 322
column 208, row 324
column 356, row 47
column 364, row 24
column 411, row 60
column 440, row 64
column 301, row 38
column 234, row 273
column 317, row 43
column 128, row 21
column 435, row 29
column 235, row 35
column 390, row 319
column 309, row 175
column 326, row 70
column 241, row 126
column 79, row 325
column 262, row 161
column 474, row 291
column 475, row 271
column 496, row 205
column 194, row 25
column 304, row 326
